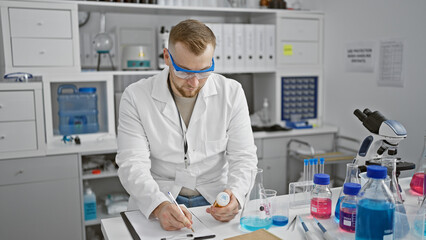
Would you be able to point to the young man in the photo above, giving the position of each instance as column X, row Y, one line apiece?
column 186, row 131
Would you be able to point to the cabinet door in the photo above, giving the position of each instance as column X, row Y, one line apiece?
column 41, row 210
column 274, row 174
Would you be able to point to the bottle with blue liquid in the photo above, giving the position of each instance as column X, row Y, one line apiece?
column 375, row 207
column 351, row 177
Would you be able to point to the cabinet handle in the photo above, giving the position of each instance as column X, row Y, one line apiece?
column 42, row 52
column 1, row 106
column 2, row 137
column 19, row 172
column 40, row 23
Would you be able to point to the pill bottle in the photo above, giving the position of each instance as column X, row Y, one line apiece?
column 222, row 200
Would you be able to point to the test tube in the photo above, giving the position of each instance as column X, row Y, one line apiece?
column 311, row 169
column 321, row 165
column 315, row 166
column 305, row 173
column 305, row 170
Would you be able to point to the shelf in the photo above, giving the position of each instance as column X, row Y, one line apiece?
column 135, row 8
column 98, row 176
column 100, row 215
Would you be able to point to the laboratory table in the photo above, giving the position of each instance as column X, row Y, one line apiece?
column 115, row 229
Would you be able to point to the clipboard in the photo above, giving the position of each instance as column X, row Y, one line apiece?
column 142, row 228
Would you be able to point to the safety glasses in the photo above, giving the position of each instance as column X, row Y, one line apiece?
column 186, row 74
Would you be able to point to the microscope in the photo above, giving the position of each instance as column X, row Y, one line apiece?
column 384, row 139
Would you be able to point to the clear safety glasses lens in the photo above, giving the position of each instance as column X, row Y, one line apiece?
column 187, row 75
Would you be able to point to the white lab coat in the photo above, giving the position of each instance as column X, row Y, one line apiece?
column 221, row 147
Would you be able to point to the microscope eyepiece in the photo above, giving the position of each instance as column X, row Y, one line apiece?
column 370, row 120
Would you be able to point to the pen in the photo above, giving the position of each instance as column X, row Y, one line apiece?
column 326, row 235
column 174, row 201
column 308, row 234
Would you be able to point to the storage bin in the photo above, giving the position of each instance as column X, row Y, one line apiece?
column 78, row 111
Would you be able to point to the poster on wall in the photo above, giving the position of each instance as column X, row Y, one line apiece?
column 360, row 56
column 391, row 63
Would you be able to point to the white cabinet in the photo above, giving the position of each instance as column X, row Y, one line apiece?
column 39, row 37
column 299, row 39
column 40, row 198
column 21, row 120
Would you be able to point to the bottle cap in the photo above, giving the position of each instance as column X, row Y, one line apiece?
column 322, row 160
column 351, row 188
column 306, row 161
column 321, row 179
column 315, row 161
column 311, row 161
column 87, row 90
column 377, row 172
column 222, row 199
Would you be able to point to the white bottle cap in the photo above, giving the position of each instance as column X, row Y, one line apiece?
column 222, row 199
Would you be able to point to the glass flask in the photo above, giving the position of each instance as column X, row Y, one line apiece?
column 417, row 183
column 400, row 219
column 351, row 177
column 375, row 207
column 256, row 213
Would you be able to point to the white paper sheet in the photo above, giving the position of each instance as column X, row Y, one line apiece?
column 151, row 228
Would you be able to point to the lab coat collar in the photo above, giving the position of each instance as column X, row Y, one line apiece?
column 161, row 93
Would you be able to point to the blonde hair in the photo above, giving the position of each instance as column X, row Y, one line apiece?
column 194, row 34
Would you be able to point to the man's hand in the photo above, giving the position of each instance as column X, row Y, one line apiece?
column 171, row 218
column 227, row 213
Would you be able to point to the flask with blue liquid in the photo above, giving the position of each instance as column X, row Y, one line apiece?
column 351, row 177
column 375, row 207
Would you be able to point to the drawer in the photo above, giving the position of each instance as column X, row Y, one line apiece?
column 32, row 52
column 298, row 29
column 298, row 53
column 38, row 169
column 18, row 136
column 40, row 23
column 17, row 106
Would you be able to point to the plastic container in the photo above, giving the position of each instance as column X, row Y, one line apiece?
column 78, row 111
column 375, row 207
column 89, row 203
column 321, row 197
column 348, row 207
column 222, row 200
column 351, row 177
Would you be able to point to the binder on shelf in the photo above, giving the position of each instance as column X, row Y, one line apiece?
column 249, row 39
column 228, row 46
column 270, row 46
column 218, row 52
column 239, row 46
column 260, row 45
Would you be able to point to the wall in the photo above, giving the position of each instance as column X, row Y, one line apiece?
column 375, row 20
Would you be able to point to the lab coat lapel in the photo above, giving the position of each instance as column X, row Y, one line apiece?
column 200, row 107
column 166, row 104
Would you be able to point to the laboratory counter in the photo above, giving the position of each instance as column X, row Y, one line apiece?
column 115, row 229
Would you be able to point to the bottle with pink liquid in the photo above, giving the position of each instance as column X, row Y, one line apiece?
column 321, row 197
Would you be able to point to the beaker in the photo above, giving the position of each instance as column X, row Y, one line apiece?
column 351, row 177
column 256, row 213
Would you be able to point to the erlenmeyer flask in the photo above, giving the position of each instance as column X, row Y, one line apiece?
column 256, row 213
column 400, row 219
column 351, row 177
